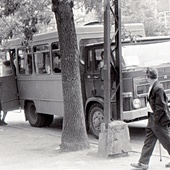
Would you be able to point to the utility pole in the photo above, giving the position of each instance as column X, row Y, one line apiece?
column 114, row 137
column 118, row 53
column 106, row 61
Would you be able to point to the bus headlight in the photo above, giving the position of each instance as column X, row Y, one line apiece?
column 137, row 103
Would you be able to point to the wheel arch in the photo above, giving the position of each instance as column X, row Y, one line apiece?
column 91, row 101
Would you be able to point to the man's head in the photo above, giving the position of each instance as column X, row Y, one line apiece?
column 152, row 73
column 57, row 59
column 7, row 63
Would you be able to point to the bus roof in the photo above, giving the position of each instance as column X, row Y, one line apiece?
column 135, row 28
column 153, row 39
column 88, row 31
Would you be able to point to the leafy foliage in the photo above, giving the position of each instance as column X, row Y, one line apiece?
column 137, row 11
column 133, row 11
column 23, row 17
column 92, row 8
column 26, row 17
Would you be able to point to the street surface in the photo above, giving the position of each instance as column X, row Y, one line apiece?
column 27, row 148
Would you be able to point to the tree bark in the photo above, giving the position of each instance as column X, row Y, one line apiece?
column 74, row 136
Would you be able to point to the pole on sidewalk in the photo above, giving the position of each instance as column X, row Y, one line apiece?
column 114, row 137
column 106, row 62
column 118, row 52
column 104, row 126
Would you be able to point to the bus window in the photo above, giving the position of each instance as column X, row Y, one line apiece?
column 42, row 59
column 56, row 58
column 99, row 60
column 24, row 61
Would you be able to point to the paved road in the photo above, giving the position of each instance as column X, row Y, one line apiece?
column 26, row 148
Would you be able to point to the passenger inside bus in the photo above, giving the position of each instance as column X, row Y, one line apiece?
column 56, row 63
column 25, row 64
column 21, row 64
column 101, row 63
column 42, row 63
column 29, row 65
column 47, row 63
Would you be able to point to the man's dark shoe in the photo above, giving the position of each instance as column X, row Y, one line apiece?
column 4, row 123
column 140, row 166
column 167, row 165
column 1, row 123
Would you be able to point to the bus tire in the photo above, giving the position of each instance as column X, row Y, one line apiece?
column 95, row 118
column 35, row 119
column 48, row 120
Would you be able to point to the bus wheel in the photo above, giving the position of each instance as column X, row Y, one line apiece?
column 96, row 117
column 48, row 120
column 35, row 119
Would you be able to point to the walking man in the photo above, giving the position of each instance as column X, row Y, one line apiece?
column 158, row 120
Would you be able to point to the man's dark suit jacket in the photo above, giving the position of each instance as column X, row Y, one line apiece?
column 159, row 104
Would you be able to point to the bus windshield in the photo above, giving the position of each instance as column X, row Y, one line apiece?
column 144, row 55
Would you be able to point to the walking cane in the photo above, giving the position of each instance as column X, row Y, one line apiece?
column 160, row 152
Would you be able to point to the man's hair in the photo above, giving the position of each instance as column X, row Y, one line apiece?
column 152, row 73
column 7, row 63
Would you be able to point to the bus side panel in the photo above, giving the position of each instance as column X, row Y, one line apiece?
column 49, row 95
column 45, row 91
column 8, row 92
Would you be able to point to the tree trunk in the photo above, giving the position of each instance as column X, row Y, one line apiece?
column 74, row 136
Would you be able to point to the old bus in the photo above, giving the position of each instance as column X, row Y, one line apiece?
column 36, row 84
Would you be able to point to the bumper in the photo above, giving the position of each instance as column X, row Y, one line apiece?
column 134, row 114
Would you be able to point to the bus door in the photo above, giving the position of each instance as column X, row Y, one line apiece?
column 8, row 93
column 94, row 84
column 97, row 71
column 8, row 87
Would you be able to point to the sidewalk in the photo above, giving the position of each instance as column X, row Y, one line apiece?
column 42, row 153
column 26, row 148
